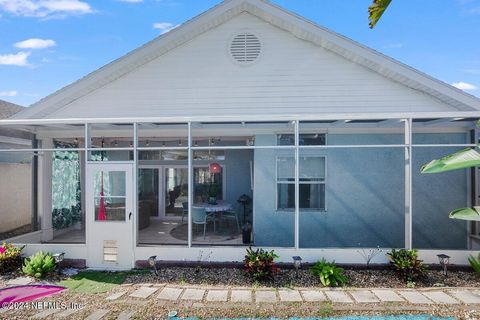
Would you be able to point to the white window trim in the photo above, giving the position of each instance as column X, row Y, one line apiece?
column 290, row 210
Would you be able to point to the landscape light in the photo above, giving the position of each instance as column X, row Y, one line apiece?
column 59, row 257
column 152, row 261
column 297, row 263
column 444, row 261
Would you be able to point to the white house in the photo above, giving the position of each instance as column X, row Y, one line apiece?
column 322, row 136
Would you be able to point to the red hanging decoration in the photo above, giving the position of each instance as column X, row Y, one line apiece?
column 214, row 168
column 102, row 212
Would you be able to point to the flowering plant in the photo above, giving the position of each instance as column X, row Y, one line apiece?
column 10, row 257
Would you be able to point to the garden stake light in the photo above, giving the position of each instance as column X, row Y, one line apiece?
column 152, row 261
column 444, row 262
column 297, row 263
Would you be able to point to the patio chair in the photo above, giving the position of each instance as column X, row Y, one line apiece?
column 200, row 216
column 232, row 214
column 185, row 209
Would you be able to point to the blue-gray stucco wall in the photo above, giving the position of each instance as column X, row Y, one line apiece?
column 238, row 181
column 365, row 197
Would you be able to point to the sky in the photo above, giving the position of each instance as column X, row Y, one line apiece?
column 47, row 44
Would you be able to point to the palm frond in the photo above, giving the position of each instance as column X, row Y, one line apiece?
column 376, row 10
column 469, row 214
column 467, row 158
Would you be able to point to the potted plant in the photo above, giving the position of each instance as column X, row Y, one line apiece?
column 213, row 193
column 247, row 233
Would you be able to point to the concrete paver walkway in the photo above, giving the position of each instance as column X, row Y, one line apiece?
column 201, row 297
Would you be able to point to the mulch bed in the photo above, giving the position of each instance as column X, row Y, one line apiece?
column 358, row 278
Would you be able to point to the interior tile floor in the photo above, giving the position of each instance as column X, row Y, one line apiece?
column 173, row 232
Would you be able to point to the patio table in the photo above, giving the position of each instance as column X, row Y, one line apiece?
column 214, row 209
column 221, row 206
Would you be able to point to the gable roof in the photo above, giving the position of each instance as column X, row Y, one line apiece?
column 275, row 15
column 8, row 109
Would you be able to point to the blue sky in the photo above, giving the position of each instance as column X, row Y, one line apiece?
column 47, row 44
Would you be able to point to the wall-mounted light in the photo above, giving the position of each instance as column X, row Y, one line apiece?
column 147, row 143
column 179, row 142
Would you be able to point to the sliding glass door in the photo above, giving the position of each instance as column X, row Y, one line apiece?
column 176, row 190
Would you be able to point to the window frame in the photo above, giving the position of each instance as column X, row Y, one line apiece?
column 325, row 134
column 324, row 182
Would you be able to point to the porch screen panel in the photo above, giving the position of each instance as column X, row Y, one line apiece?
column 435, row 195
column 16, row 194
column 351, row 197
column 162, row 184
column 274, row 196
column 113, row 141
column 66, row 188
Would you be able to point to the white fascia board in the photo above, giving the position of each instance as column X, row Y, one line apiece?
column 249, row 118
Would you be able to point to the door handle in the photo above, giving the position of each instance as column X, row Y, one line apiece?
column 130, row 216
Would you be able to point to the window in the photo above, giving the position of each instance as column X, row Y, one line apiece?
column 312, row 177
column 305, row 139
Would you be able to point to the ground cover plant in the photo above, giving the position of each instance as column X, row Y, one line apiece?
column 10, row 258
column 94, row 281
column 260, row 264
column 329, row 274
column 475, row 263
column 407, row 264
column 39, row 265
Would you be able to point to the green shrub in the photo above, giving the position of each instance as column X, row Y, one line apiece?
column 39, row 264
column 260, row 264
column 406, row 262
column 329, row 274
column 475, row 263
column 10, row 258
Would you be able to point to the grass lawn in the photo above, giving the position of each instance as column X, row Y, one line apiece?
column 94, row 281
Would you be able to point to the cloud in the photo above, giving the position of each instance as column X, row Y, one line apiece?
column 35, row 43
column 45, row 8
column 11, row 93
column 164, row 27
column 130, row 1
column 464, row 86
column 17, row 59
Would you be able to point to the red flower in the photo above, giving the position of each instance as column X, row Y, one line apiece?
column 2, row 250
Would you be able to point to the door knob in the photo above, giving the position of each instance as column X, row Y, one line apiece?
column 130, row 216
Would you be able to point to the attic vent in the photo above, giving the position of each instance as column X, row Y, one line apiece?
column 245, row 48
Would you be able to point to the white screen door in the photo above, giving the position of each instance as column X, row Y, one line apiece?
column 110, row 216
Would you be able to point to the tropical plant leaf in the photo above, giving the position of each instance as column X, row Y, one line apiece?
column 475, row 263
column 469, row 214
column 466, row 158
column 376, row 10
